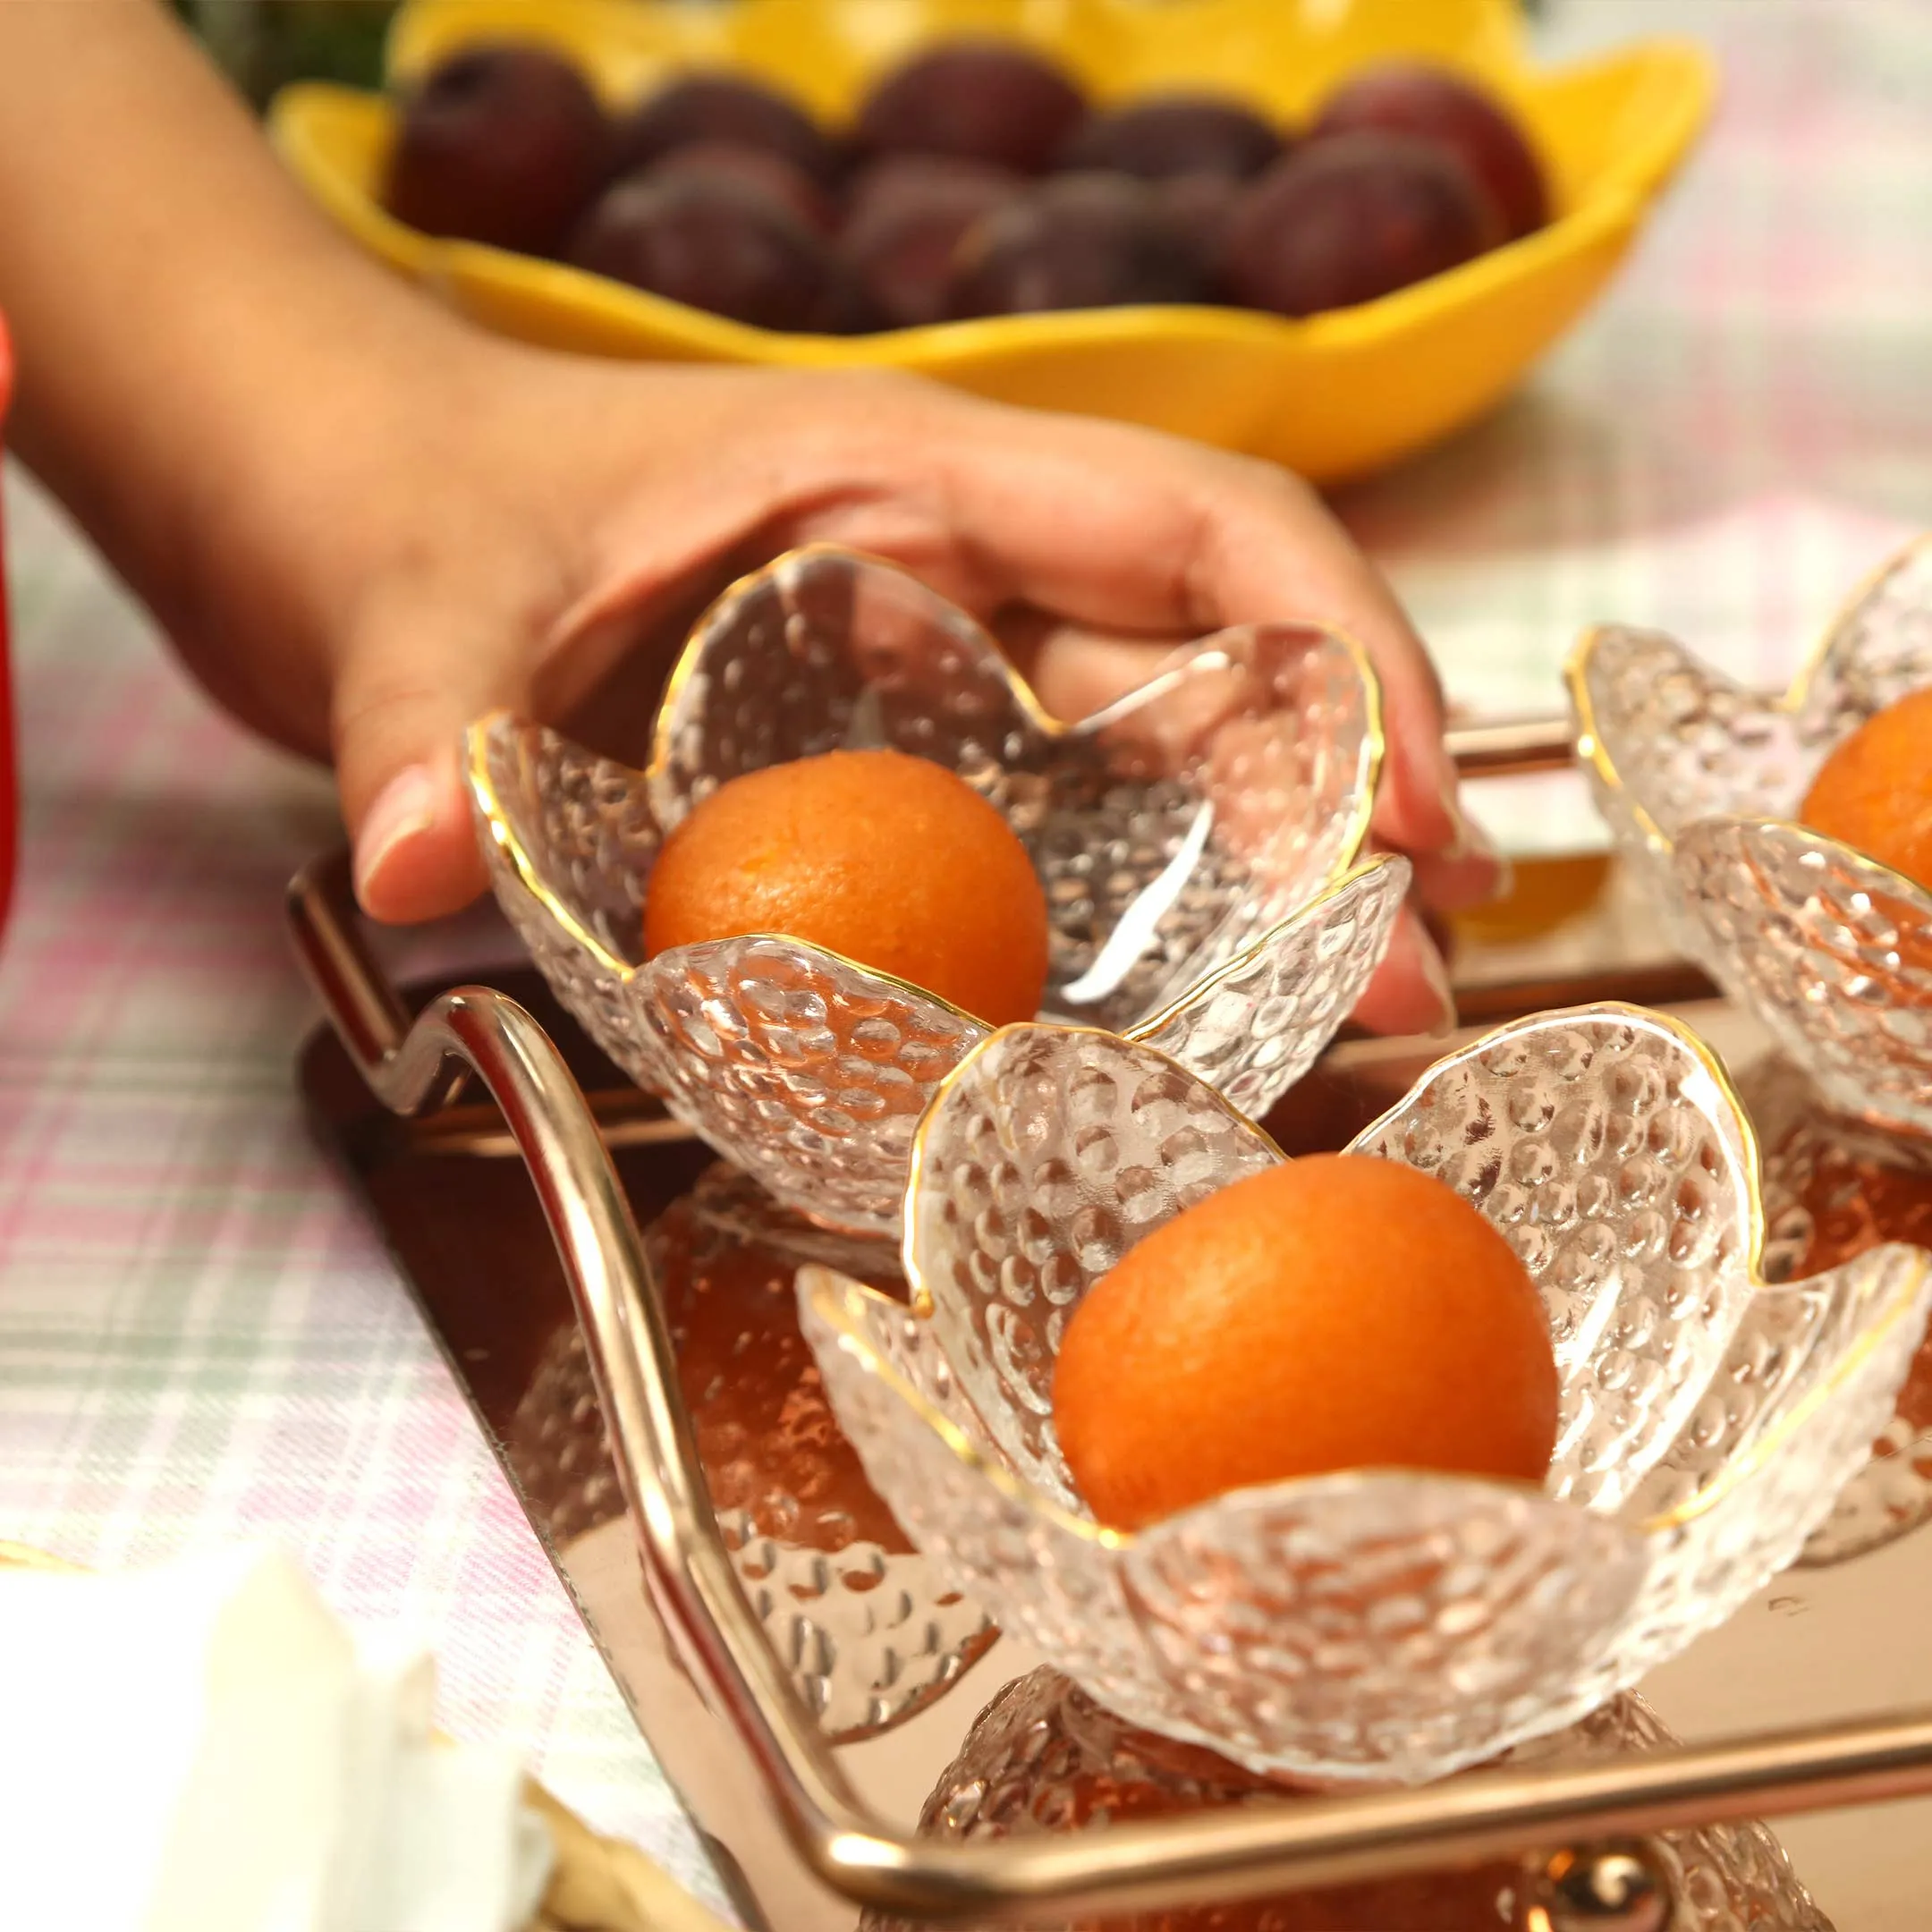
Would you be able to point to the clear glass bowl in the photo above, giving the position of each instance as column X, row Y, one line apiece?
column 1700, row 782
column 1200, row 841
column 1373, row 1625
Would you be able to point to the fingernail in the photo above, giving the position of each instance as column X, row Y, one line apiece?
column 1436, row 976
column 404, row 809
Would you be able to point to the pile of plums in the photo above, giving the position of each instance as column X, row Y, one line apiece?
column 976, row 181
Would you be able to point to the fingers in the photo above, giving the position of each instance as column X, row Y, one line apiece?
column 406, row 689
column 1409, row 992
column 1124, row 530
column 1472, row 874
column 1074, row 670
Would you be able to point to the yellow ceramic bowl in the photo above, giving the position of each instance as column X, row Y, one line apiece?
column 1332, row 396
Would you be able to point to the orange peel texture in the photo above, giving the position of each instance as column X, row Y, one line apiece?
column 892, row 861
column 1336, row 1312
column 1874, row 792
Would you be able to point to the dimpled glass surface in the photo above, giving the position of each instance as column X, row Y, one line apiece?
column 1043, row 1759
column 1832, row 1188
column 1373, row 1624
column 1194, row 840
column 870, row 1634
column 1701, row 782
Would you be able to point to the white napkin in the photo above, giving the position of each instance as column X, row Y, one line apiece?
column 202, row 1749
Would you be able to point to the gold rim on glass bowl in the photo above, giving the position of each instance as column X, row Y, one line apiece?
column 1200, row 841
column 1374, row 1624
column 1701, row 781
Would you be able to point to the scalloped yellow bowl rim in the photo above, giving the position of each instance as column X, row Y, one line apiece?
column 1332, row 396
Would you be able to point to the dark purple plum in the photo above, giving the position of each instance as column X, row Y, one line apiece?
column 722, row 246
column 1406, row 98
column 1202, row 208
column 718, row 107
column 904, row 220
column 893, row 179
column 1080, row 241
column 1168, row 135
column 1345, row 220
column 981, row 100
column 760, row 168
column 504, row 142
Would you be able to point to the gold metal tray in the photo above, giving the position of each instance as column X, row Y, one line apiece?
column 1815, row 1699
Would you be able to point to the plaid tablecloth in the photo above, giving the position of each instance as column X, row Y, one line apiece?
column 199, row 1338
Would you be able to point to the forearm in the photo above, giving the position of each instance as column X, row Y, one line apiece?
column 201, row 358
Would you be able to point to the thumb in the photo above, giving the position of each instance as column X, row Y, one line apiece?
column 403, row 697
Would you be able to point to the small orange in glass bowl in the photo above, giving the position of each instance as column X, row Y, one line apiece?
column 1199, row 843
column 1373, row 1623
column 1216, row 1354
column 1704, row 785
column 888, row 859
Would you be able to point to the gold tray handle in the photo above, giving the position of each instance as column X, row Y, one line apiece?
column 1199, row 1859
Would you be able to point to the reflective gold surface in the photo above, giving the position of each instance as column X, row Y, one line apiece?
column 1044, row 1758
column 802, row 1833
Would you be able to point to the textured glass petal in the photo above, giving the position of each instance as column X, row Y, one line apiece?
column 825, row 649
column 1809, row 1380
column 1667, row 741
column 1253, row 1029
column 1880, row 650
column 1045, row 1159
column 569, row 839
column 804, row 1068
column 1833, row 1188
column 1249, row 760
column 1605, row 1146
column 1832, row 952
column 1371, row 1625
column 1045, row 1577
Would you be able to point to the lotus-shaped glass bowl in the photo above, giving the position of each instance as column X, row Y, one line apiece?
column 1701, row 781
column 1196, row 841
column 1374, row 1624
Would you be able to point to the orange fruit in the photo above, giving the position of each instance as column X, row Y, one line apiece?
column 1336, row 1312
column 1875, row 792
column 892, row 861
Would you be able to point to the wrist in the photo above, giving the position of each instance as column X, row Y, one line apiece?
column 318, row 477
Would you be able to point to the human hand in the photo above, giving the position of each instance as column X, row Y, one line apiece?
column 559, row 522
column 364, row 523
column 539, row 533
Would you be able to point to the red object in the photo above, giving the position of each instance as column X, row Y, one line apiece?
column 8, row 788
